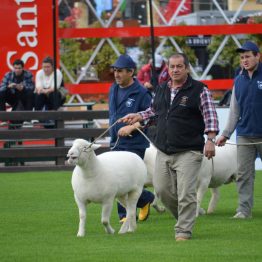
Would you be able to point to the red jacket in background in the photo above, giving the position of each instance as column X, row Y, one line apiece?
column 145, row 74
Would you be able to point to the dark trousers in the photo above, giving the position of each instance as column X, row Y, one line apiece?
column 51, row 101
column 145, row 197
column 18, row 100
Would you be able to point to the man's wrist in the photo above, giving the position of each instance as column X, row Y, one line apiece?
column 212, row 139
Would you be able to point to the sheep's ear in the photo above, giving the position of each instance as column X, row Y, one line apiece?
column 95, row 146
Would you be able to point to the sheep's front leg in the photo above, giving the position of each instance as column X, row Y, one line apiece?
column 156, row 206
column 123, row 201
column 82, row 217
column 213, row 201
column 200, row 194
column 131, row 210
column 106, row 213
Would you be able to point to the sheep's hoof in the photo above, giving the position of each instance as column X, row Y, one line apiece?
column 110, row 231
column 131, row 230
column 201, row 211
column 124, row 228
column 210, row 211
column 80, row 234
column 121, row 232
column 158, row 208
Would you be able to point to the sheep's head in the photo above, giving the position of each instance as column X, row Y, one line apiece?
column 77, row 154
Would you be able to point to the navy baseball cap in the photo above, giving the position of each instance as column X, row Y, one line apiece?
column 248, row 46
column 124, row 61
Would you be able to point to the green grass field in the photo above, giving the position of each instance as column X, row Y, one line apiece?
column 39, row 220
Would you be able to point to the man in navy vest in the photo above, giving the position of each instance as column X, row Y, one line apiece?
column 246, row 117
column 184, row 111
column 127, row 95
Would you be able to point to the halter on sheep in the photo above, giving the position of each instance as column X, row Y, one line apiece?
column 103, row 178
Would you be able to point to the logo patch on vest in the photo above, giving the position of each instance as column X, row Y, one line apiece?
column 183, row 101
column 129, row 102
column 259, row 84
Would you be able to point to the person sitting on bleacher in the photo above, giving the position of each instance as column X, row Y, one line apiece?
column 17, row 89
column 45, row 96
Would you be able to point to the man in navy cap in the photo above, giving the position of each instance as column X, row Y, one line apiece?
column 246, row 117
column 127, row 95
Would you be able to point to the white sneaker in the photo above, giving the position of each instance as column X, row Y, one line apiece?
column 3, row 123
column 240, row 215
column 34, row 121
column 27, row 124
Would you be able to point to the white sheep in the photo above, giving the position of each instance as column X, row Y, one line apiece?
column 215, row 173
column 103, row 178
column 149, row 159
column 211, row 175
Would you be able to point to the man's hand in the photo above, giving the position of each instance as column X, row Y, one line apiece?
column 38, row 90
column 126, row 130
column 12, row 85
column 19, row 87
column 131, row 118
column 209, row 149
column 45, row 91
column 148, row 85
column 221, row 141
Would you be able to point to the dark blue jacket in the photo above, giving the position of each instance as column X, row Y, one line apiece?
column 249, row 98
column 136, row 99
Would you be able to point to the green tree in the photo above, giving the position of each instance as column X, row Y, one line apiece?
column 228, row 57
column 75, row 54
column 144, row 44
column 168, row 49
column 106, row 56
column 72, row 56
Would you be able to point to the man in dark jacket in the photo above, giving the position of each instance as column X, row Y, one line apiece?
column 185, row 112
column 17, row 86
column 128, row 96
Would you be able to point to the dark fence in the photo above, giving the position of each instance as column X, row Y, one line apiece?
column 16, row 152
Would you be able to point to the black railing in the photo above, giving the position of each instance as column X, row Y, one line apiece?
column 21, row 144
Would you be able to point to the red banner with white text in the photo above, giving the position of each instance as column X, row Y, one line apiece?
column 26, row 33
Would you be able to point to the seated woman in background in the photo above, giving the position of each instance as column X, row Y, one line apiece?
column 45, row 95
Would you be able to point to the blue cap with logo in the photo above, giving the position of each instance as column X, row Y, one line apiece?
column 124, row 61
column 248, row 46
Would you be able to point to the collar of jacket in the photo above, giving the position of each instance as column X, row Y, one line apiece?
column 258, row 69
column 185, row 85
column 132, row 88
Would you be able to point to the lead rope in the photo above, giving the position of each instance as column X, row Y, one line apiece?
column 243, row 144
column 100, row 136
column 212, row 159
column 146, row 137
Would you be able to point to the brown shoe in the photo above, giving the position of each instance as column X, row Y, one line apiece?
column 144, row 212
column 179, row 239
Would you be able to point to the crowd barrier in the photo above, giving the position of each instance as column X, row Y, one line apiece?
column 45, row 141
